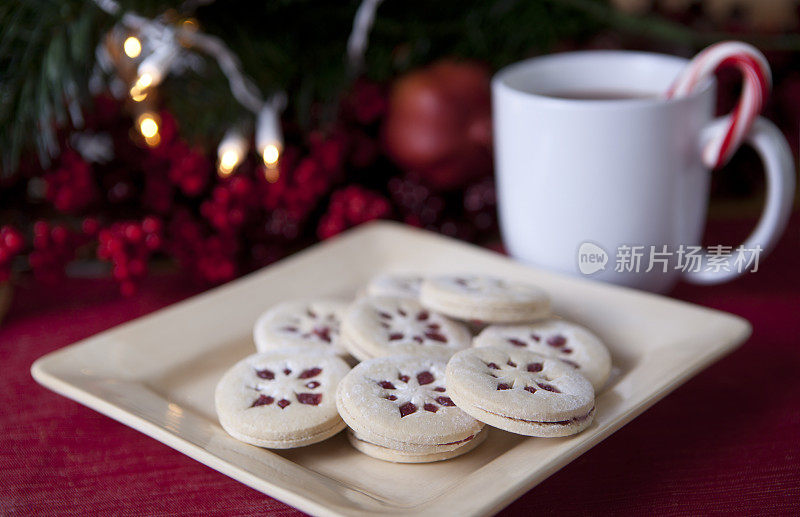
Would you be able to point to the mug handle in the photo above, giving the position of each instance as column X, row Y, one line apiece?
column 774, row 151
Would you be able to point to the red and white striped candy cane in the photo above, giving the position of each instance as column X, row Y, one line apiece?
column 757, row 81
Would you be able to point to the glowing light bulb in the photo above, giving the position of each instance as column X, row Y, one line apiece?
column 270, row 155
column 144, row 80
column 132, row 47
column 137, row 95
column 228, row 162
column 138, row 91
column 148, row 127
column 231, row 152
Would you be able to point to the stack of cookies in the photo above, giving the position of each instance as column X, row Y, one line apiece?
column 423, row 387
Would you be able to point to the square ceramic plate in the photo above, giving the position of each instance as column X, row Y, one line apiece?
column 157, row 374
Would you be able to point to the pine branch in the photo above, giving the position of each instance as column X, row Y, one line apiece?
column 46, row 54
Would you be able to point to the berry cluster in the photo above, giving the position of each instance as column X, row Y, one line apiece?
column 54, row 247
column 128, row 246
column 480, row 203
column 417, row 204
column 190, row 170
column 11, row 244
column 71, row 187
column 211, row 258
column 230, row 204
column 327, row 180
column 351, row 206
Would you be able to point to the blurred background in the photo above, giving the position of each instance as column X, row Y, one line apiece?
column 208, row 139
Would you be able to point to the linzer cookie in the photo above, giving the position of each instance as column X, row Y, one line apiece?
column 569, row 342
column 399, row 409
column 484, row 298
column 521, row 391
column 406, row 286
column 301, row 324
column 377, row 326
column 281, row 399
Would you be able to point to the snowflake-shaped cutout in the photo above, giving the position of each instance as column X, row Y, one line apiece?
column 418, row 327
column 313, row 324
column 557, row 342
column 412, row 393
column 282, row 385
column 513, row 376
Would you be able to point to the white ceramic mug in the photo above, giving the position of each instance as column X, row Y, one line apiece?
column 578, row 178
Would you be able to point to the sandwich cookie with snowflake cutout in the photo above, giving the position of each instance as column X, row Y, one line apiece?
column 402, row 285
column 377, row 326
column 282, row 398
column 304, row 324
column 399, row 409
column 484, row 299
column 520, row 391
column 569, row 342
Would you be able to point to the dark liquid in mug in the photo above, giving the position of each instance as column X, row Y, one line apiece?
column 602, row 95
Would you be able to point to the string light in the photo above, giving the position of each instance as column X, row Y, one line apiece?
column 270, row 155
column 160, row 43
column 231, row 152
column 269, row 137
column 138, row 91
column 148, row 127
column 132, row 47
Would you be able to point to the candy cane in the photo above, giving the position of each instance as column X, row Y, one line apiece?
column 757, row 81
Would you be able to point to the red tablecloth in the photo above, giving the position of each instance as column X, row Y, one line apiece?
column 728, row 441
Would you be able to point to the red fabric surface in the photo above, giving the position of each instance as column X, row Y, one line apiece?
column 726, row 442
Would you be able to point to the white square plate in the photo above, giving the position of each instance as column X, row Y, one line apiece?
column 157, row 374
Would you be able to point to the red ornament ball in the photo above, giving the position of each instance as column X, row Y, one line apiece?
column 438, row 124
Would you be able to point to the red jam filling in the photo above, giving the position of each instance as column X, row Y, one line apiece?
column 535, row 367
column 548, row 387
column 311, row 372
column 262, row 400
column 324, row 333
column 436, row 336
column 312, row 399
column 407, row 408
column 425, row 378
column 265, row 374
